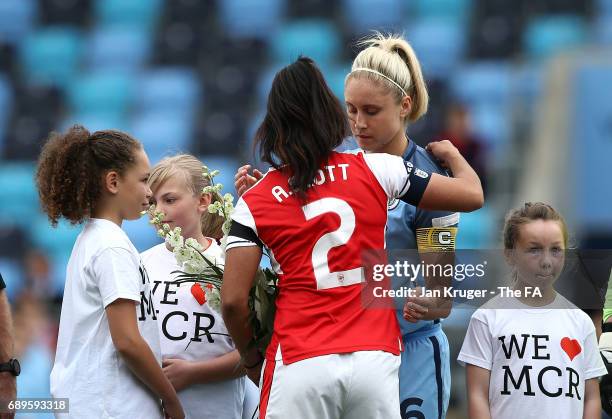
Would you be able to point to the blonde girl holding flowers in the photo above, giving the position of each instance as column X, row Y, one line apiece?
column 199, row 357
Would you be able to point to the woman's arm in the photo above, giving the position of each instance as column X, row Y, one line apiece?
column 462, row 192
column 592, row 400
column 241, row 265
column 183, row 374
column 138, row 356
column 478, row 392
column 431, row 308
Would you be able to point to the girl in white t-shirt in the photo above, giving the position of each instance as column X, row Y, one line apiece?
column 108, row 361
column 532, row 355
column 199, row 357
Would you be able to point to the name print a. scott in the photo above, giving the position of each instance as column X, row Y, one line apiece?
column 330, row 173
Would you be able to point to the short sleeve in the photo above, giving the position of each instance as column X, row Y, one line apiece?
column 398, row 178
column 242, row 214
column 117, row 275
column 2, row 284
column 594, row 365
column 477, row 348
column 243, row 232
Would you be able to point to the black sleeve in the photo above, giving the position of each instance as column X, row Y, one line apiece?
column 2, row 284
column 419, row 179
column 241, row 234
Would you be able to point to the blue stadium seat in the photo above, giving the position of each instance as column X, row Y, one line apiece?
column 528, row 82
column 548, row 35
column 169, row 89
column 227, row 167
column 118, row 47
column 76, row 12
column 315, row 38
column 6, row 106
column 139, row 13
column 486, row 89
column 16, row 19
column 363, row 16
column 603, row 30
column 36, row 112
column 219, row 130
column 492, row 124
column 477, row 230
column 57, row 240
column 248, row 153
column 335, row 77
column 36, row 371
column 313, row 8
column 59, row 262
column 439, row 45
column 163, row 133
column 13, row 276
column 96, row 121
column 13, row 239
column 483, row 83
column 527, row 87
column 141, row 233
column 51, row 56
column 17, row 182
column 591, row 147
column 449, row 9
column 603, row 8
column 265, row 83
column 251, row 18
column 101, row 92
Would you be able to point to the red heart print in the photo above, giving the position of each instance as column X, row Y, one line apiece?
column 571, row 347
column 198, row 293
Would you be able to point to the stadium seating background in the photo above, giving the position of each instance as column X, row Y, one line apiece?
column 193, row 75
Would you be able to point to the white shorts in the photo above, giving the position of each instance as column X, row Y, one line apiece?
column 358, row 385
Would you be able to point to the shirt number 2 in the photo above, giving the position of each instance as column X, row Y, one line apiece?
column 326, row 279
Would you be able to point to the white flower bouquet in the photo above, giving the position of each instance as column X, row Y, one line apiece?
column 207, row 275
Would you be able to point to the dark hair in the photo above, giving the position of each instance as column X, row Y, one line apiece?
column 304, row 122
column 71, row 166
column 530, row 211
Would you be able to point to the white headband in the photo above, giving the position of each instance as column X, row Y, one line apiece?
column 369, row 70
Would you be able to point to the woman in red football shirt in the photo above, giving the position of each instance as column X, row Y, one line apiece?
column 316, row 211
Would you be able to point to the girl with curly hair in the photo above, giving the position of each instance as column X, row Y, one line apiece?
column 108, row 360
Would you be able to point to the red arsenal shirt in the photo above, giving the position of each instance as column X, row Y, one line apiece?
column 317, row 247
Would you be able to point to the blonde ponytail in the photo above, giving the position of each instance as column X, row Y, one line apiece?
column 392, row 57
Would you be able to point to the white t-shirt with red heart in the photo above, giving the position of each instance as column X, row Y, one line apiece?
column 539, row 357
column 190, row 329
